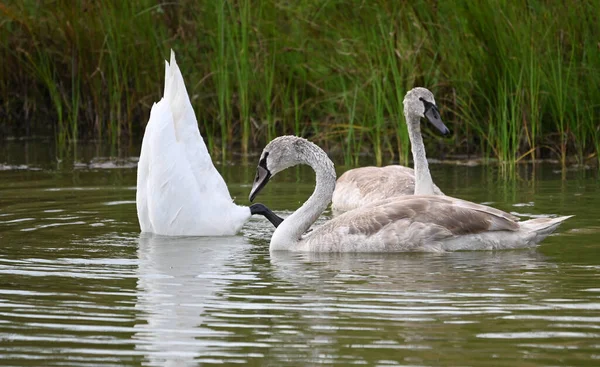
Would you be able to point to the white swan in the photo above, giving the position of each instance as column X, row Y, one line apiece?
column 361, row 186
column 405, row 223
column 179, row 190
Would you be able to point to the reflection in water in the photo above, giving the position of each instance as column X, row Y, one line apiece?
column 417, row 272
column 178, row 279
column 414, row 303
column 227, row 300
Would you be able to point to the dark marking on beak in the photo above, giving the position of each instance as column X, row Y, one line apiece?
column 262, row 177
column 433, row 115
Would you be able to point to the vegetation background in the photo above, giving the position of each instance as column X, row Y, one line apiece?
column 513, row 79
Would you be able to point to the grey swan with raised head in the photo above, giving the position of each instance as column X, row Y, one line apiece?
column 361, row 186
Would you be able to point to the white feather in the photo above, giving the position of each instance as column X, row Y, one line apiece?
column 179, row 190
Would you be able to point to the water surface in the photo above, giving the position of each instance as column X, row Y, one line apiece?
column 79, row 286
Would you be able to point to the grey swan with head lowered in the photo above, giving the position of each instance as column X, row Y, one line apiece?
column 179, row 190
column 401, row 224
column 361, row 186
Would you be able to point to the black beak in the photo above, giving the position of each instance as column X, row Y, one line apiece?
column 261, row 209
column 433, row 115
column 262, row 178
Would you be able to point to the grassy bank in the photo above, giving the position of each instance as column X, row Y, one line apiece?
column 514, row 79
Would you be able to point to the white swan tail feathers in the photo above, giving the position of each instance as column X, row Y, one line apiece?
column 542, row 227
column 179, row 190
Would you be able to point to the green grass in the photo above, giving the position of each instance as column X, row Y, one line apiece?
column 514, row 80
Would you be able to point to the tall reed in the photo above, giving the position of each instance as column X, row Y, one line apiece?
column 513, row 80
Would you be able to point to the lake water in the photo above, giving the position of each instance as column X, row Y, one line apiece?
column 79, row 286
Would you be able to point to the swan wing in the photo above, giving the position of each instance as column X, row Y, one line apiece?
column 411, row 223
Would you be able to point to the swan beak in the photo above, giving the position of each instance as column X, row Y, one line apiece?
column 433, row 115
column 262, row 178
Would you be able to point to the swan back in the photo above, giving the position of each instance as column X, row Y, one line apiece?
column 361, row 186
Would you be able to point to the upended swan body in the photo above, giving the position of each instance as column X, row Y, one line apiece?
column 419, row 223
column 179, row 190
column 361, row 186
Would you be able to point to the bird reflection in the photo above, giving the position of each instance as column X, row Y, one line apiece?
column 227, row 300
column 403, row 271
column 178, row 279
column 361, row 299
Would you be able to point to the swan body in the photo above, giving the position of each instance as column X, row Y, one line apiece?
column 361, row 186
column 179, row 190
column 419, row 223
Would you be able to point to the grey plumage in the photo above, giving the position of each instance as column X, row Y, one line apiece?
column 365, row 185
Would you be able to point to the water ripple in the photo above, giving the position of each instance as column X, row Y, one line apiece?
column 85, row 289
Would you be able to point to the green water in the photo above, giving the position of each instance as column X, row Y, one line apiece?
column 79, row 286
